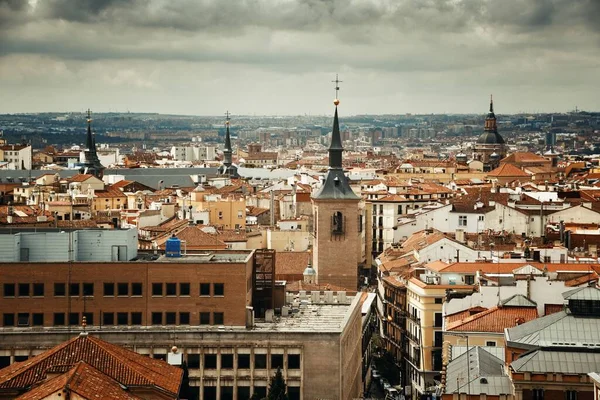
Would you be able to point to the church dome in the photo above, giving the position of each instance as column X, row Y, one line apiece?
column 490, row 138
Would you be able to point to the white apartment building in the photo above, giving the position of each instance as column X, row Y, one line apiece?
column 18, row 156
column 193, row 153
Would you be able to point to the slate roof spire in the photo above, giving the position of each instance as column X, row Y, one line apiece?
column 336, row 184
column 227, row 152
column 92, row 164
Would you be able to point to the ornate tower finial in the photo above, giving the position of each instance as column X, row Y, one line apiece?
column 336, row 101
column 491, row 103
column 227, row 117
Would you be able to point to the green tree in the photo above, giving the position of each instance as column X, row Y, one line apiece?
column 277, row 388
column 387, row 367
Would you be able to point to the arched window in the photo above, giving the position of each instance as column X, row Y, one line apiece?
column 337, row 222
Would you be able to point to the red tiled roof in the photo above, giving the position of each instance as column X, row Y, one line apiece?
column 83, row 380
column 110, row 193
column 291, row 262
column 464, row 314
column 494, row 320
column 81, row 177
column 126, row 367
column 508, row 170
column 196, row 237
column 553, row 308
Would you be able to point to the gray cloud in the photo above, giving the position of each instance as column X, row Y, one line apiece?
column 441, row 44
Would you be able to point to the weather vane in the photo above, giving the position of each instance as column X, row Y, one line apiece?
column 337, row 89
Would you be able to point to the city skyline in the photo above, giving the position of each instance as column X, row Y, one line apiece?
column 277, row 58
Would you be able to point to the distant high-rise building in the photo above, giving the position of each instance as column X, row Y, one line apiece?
column 490, row 147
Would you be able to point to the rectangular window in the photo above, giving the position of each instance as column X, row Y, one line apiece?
column 399, row 209
column 9, row 290
column 293, row 361
column 136, row 289
column 210, row 361
column 74, row 289
column 490, row 343
column 170, row 318
column 157, row 318
column 538, row 394
column 570, row 395
column 243, row 391
column 205, row 289
column 59, row 289
column 157, row 289
column 74, row 319
column 184, row 318
column 108, row 318
column 218, row 289
column 469, row 279
column 439, row 300
column 438, row 320
column 59, row 319
column 260, row 361
column 227, row 361
column 136, row 318
column 480, row 218
column 293, row 393
column 204, row 318
column 184, row 289
column 89, row 318
column 8, row 320
column 171, row 289
column 37, row 319
column 38, row 289
column 438, row 339
column 218, row 318
column 193, row 361
column 109, row 288
column 243, row 361
column 23, row 289
column 23, row 319
column 276, row 361
column 122, row 289
column 88, row 289
column 462, row 220
column 122, row 318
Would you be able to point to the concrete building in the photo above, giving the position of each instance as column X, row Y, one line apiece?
column 205, row 304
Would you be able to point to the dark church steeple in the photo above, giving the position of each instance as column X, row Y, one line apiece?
column 336, row 184
column 228, row 168
column 92, row 164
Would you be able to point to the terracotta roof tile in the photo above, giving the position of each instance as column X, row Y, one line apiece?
column 196, row 237
column 494, row 320
column 508, row 170
column 291, row 262
column 84, row 380
column 126, row 367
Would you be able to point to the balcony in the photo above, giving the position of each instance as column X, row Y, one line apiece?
column 412, row 337
column 414, row 319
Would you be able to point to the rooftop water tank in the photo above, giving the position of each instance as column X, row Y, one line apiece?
column 173, row 247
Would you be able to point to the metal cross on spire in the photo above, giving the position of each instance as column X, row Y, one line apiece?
column 227, row 117
column 337, row 85
column 89, row 115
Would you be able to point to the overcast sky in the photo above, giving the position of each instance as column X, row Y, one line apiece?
column 270, row 57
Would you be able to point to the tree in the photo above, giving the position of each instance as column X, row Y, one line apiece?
column 387, row 367
column 277, row 388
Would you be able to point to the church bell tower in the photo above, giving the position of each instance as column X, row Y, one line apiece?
column 336, row 220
